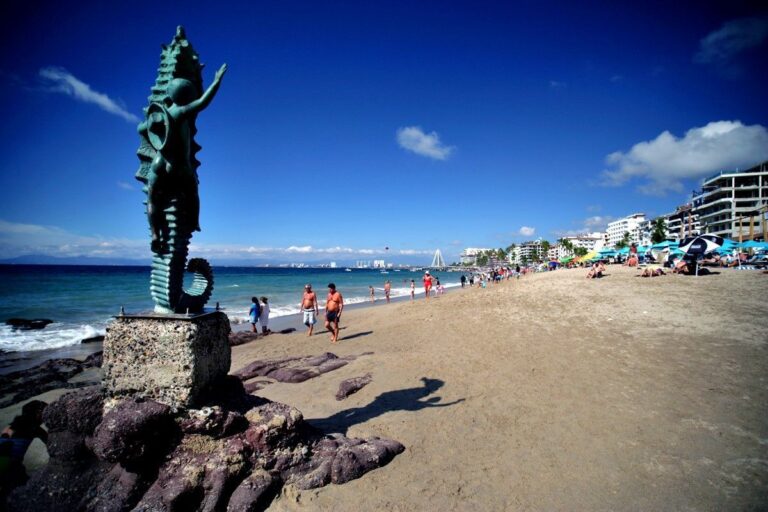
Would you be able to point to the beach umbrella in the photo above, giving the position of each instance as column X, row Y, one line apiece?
column 623, row 250
column 696, row 246
column 751, row 244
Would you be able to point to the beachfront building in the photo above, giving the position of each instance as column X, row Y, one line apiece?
column 589, row 241
column 469, row 255
column 681, row 223
column 527, row 252
column 733, row 204
column 630, row 224
column 379, row 264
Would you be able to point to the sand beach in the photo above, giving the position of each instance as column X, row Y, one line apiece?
column 551, row 392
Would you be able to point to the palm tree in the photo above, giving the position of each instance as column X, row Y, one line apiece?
column 624, row 242
column 580, row 251
column 659, row 231
column 545, row 246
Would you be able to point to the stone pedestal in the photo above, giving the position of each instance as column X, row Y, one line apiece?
column 172, row 359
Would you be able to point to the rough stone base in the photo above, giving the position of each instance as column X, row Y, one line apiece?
column 172, row 360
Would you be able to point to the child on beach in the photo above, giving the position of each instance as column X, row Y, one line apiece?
column 264, row 316
column 253, row 314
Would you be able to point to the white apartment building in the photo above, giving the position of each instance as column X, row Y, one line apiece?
column 630, row 224
column 681, row 223
column 733, row 203
column 379, row 264
column 469, row 255
column 527, row 252
column 591, row 242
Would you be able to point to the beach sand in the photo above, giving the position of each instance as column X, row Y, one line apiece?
column 552, row 392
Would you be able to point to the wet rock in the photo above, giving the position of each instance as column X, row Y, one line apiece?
column 93, row 339
column 26, row 325
column 353, row 385
column 134, row 432
column 250, row 387
column 255, row 492
column 52, row 374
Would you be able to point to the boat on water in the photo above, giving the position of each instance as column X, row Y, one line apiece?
column 384, row 272
column 347, row 270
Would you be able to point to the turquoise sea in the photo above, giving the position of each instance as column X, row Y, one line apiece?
column 82, row 299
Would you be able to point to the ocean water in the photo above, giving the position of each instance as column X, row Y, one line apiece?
column 81, row 300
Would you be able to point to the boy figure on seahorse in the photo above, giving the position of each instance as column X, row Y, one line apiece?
column 171, row 174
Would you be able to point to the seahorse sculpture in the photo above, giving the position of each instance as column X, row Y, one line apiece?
column 168, row 170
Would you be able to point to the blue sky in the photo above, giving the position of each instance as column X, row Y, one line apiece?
column 342, row 128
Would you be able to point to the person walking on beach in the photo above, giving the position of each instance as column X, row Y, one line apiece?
column 463, row 280
column 413, row 289
column 333, row 308
column 253, row 314
column 264, row 316
column 387, row 289
column 372, row 293
column 309, row 308
column 427, row 284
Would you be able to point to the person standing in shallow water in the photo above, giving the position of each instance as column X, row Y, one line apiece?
column 264, row 316
column 387, row 289
column 427, row 284
column 413, row 289
column 334, row 304
column 309, row 308
column 254, row 313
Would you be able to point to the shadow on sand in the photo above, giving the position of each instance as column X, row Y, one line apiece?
column 356, row 335
column 409, row 399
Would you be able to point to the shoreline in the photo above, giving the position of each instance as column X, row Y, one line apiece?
column 549, row 392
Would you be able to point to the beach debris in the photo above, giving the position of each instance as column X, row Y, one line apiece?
column 52, row 374
column 235, row 454
column 24, row 324
column 293, row 369
column 353, row 385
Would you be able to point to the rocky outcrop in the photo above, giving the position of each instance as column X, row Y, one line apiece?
column 293, row 369
column 353, row 385
column 24, row 324
column 52, row 374
column 234, row 454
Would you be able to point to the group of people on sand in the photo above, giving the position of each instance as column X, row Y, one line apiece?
column 310, row 310
column 259, row 313
column 596, row 270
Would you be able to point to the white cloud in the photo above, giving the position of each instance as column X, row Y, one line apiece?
column 125, row 185
column 64, row 82
column 667, row 160
column 414, row 139
column 735, row 36
column 19, row 239
column 527, row 231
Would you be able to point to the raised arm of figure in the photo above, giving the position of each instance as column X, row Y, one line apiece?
column 204, row 100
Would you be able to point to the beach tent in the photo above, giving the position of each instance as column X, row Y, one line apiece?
column 566, row 260
column 751, row 244
column 589, row 256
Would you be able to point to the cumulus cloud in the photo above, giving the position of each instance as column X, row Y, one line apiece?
column 527, row 231
column 735, row 36
column 667, row 160
column 413, row 138
column 62, row 81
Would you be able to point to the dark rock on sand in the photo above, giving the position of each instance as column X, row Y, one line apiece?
column 353, row 385
column 242, row 337
column 93, row 339
column 52, row 374
column 234, row 454
column 26, row 325
column 133, row 432
column 293, row 369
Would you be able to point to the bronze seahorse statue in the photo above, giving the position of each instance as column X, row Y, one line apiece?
column 168, row 170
